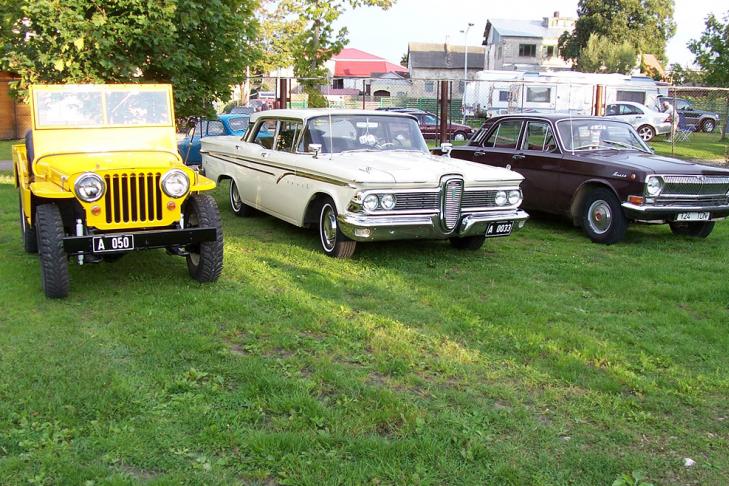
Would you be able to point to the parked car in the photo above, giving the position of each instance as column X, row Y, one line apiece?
column 706, row 121
column 430, row 124
column 361, row 176
column 599, row 173
column 99, row 177
column 226, row 124
column 646, row 121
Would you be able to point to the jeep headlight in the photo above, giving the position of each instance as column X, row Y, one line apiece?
column 175, row 183
column 501, row 198
column 514, row 197
column 89, row 187
column 653, row 185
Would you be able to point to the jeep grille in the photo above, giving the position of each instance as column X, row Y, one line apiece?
column 133, row 198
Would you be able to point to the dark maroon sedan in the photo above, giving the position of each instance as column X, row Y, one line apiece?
column 599, row 173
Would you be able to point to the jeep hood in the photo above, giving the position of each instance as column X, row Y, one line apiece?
column 76, row 163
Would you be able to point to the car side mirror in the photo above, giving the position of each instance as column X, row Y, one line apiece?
column 446, row 148
column 316, row 148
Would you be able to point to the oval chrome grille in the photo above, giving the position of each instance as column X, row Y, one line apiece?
column 452, row 195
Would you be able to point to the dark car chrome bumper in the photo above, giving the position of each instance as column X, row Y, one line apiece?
column 648, row 212
column 362, row 227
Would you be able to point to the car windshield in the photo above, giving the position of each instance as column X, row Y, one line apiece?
column 580, row 135
column 363, row 133
column 93, row 107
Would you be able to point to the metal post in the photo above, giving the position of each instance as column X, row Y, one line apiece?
column 674, row 113
column 282, row 92
column 465, row 68
column 443, row 111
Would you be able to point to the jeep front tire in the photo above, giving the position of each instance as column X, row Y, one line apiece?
column 53, row 258
column 204, row 260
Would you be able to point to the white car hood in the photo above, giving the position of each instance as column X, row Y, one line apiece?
column 414, row 167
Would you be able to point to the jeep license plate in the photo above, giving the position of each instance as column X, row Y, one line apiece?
column 499, row 229
column 109, row 243
column 692, row 217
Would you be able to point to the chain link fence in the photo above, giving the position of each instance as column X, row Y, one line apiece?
column 657, row 110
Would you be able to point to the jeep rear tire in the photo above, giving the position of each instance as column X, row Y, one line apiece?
column 204, row 260
column 27, row 232
column 53, row 258
column 695, row 229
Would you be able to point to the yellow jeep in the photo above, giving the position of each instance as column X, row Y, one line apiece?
column 99, row 176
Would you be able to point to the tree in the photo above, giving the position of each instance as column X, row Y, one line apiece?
column 405, row 59
column 711, row 51
column 318, row 41
column 683, row 76
column 199, row 47
column 645, row 24
column 601, row 55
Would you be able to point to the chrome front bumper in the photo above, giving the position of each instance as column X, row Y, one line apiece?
column 650, row 212
column 360, row 227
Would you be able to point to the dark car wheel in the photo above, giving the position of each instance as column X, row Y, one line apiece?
column 333, row 241
column 708, row 126
column 468, row 242
column 602, row 218
column 460, row 136
column 205, row 260
column 697, row 229
column 27, row 232
column 646, row 132
column 236, row 203
column 53, row 259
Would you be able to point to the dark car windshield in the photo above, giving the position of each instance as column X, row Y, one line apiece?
column 370, row 133
column 580, row 135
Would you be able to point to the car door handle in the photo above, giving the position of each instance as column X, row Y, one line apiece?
column 479, row 154
column 518, row 156
column 264, row 154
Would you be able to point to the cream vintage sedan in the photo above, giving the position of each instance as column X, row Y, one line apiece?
column 361, row 176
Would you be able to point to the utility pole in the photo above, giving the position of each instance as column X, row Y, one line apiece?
column 465, row 70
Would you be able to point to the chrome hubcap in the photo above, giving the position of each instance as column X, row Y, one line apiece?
column 646, row 134
column 235, row 201
column 459, row 137
column 600, row 218
column 328, row 226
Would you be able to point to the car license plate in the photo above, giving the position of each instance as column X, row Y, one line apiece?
column 502, row 228
column 103, row 244
column 692, row 217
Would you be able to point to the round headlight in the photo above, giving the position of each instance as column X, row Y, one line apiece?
column 89, row 187
column 514, row 197
column 500, row 199
column 371, row 202
column 387, row 201
column 653, row 186
column 175, row 183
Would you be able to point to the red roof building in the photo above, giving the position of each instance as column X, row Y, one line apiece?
column 353, row 63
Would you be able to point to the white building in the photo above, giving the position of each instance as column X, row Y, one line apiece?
column 526, row 45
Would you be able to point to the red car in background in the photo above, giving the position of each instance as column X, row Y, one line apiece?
column 430, row 124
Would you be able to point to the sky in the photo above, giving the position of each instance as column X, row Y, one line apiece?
column 387, row 33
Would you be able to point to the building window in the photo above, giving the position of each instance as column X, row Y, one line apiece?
column 550, row 51
column 504, row 96
column 527, row 50
column 500, row 52
column 429, row 86
column 634, row 96
column 338, row 84
column 461, row 86
column 539, row 94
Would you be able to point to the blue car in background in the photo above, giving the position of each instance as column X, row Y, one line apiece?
column 228, row 124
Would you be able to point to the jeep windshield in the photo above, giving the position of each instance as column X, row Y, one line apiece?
column 363, row 133
column 581, row 135
column 101, row 107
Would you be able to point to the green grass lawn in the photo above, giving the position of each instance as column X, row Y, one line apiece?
column 5, row 149
column 701, row 146
column 541, row 359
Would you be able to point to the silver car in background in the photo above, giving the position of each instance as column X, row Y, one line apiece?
column 646, row 121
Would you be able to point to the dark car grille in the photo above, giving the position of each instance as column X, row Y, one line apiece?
column 452, row 195
column 702, row 201
column 695, row 186
column 133, row 198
